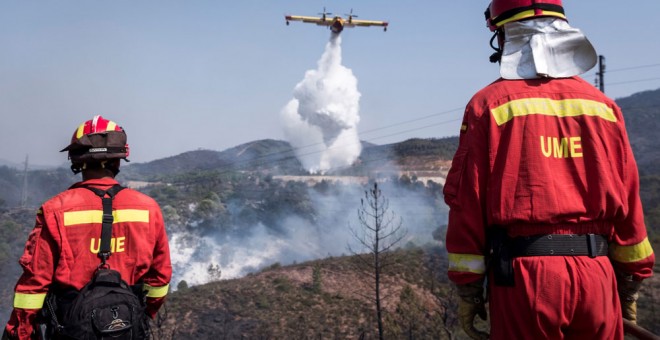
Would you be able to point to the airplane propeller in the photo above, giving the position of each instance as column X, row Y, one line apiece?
column 325, row 13
column 351, row 15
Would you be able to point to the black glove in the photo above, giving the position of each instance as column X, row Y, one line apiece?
column 470, row 305
column 5, row 335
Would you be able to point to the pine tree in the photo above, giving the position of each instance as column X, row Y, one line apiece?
column 379, row 234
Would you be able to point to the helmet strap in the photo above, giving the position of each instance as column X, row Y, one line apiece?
column 77, row 168
column 111, row 166
column 497, row 56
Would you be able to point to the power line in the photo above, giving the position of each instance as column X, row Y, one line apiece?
column 380, row 137
column 293, row 153
column 633, row 81
column 633, row 67
column 420, row 128
column 294, row 150
column 412, row 120
column 623, row 69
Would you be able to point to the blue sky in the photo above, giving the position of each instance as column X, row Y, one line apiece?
column 183, row 75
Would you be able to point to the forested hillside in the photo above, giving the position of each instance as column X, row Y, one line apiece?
column 323, row 299
column 642, row 114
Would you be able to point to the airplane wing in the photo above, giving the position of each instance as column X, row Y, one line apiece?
column 356, row 22
column 315, row 20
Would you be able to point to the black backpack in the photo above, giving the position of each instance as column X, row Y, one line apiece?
column 106, row 307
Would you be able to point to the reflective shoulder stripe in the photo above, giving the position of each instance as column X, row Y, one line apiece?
column 467, row 263
column 96, row 216
column 131, row 215
column 633, row 253
column 29, row 301
column 156, row 292
column 550, row 107
column 82, row 217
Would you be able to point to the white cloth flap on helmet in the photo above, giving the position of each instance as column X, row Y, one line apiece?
column 545, row 47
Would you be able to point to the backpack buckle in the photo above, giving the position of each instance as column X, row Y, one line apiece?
column 107, row 218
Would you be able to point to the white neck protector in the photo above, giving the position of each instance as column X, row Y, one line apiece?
column 545, row 48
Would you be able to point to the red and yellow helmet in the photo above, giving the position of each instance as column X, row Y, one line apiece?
column 501, row 12
column 97, row 140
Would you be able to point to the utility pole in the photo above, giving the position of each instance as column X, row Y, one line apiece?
column 24, row 193
column 600, row 81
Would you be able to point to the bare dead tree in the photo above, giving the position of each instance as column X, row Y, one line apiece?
column 157, row 324
column 379, row 233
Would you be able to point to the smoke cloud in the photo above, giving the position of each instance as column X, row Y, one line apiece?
column 245, row 249
column 320, row 122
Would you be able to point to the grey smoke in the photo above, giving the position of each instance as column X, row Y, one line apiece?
column 299, row 239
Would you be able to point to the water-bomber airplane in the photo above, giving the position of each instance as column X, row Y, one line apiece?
column 336, row 23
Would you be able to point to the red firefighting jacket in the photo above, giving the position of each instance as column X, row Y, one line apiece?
column 544, row 156
column 61, row 250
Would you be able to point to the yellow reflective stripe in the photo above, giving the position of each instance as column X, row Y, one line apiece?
column 156, row 292
column 467, row 263
column 80, row 131
column 111, row 126
column 29, row 301
column 527, row 14
column 96, row 216
column 550, row 107
column 633, row 253
column 131, row 215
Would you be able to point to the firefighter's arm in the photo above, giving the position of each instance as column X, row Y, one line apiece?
column 157, row 279
column 630, row 250
column 464, row 192
column 38, row 267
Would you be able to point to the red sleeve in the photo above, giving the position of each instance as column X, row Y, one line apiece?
column 158, row 277
column 465, row 193
column 38, row 264
column 630, row 250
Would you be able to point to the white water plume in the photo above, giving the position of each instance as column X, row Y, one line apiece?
column 320, row 122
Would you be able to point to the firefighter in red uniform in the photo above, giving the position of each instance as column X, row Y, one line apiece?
column 544, row 189
column 61, row 251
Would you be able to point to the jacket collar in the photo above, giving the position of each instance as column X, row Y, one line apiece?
column 98, row 182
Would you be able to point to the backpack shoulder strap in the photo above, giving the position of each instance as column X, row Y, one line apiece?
column 106, row 225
